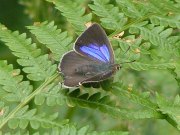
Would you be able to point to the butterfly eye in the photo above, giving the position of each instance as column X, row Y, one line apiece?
column 118, row 67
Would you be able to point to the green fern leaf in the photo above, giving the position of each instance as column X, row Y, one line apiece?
column 132, row 9
column 174, row 72
column 161, row 7
column 9, row 115
column 96, row 100
column 109, row 107
column 69, row 129
column 111, row 18
column 24, row 117
column 109, row 133
column 53, row 38
column 83, row 130
column 37, row 66
column 4, row 110
column 166, row 21
column 15, row 133
column 151, row 65
column 171, row 109
column 123, row 55
column 140, row 8
column 15, row 90
column 51, row 95
column 72, row 129
column 159, row 37
column 122, row 91
column 74, row 13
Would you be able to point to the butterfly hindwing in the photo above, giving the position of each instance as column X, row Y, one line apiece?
column 94, row 44
column 99, row 77
column 70, row 62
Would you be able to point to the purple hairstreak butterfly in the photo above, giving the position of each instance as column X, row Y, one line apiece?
column 92, row 59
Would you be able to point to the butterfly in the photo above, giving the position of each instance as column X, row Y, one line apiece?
column 92, row 59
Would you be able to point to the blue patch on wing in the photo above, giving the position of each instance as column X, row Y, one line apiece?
column 101, row 53
column 105, row 52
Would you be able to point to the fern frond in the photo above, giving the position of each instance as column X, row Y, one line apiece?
column 161, row 7
column 138, row 51
column 122, row 91
column 159, row 37
column 140, row 8
column 132, row 9
column 13, row 87
column 51, row 95
column 4, row 110
column 10, row 114
column 139, row 66
column 174, row 73
column 138, row 11
column 109, row 133
column 72, row 129
column 171, row 109
column 105, row 105
column 24, row 117
column 55, row 95
column 15, row 133
column 36, row 65
column 56, row 40
column 165, row 21
column 74, row 13
column 68, row 129
column 111, row 18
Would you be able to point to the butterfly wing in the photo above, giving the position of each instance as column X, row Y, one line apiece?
column 69, row 63
column 99, row 77
column 94, row 44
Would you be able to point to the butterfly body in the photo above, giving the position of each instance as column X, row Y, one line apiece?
column 91, row 61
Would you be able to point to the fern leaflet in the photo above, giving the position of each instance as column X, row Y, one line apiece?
column 171, row 109
column 52, row 37
column 24, row 117
column 73, row 12
column 36, row 65
column 13, row 88
column 111, row 18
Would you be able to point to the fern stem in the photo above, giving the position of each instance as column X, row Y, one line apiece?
column 171, row 121
column 23, row 103
column 131, row 23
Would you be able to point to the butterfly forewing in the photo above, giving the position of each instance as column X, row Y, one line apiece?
column 94, row 44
